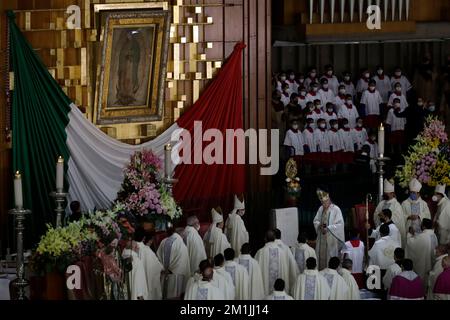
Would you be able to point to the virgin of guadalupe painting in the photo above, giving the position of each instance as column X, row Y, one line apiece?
column 135, row 47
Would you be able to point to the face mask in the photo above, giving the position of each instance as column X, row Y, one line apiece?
column 342, row 91
column 436, row 199
column 313, row 74
column 413, row 196
column 303, row 93
column 292, row 76
column 315, row 89
column 335, row 126
column 197, row 227
column 283, row 78
column 398, row 89
column 382, row 220
column 349, row 102
column 367, row 75
column 323, row 126
column 285, row 89
column 330, row 110
column 397, row 105
column 347, row 78
column 432, row 108
column 301, row 80
column 295, row 126
column 420, row 104
column 380, row 72
column 312, row 108
column 325, row 86
column 398, row 74
column 330, row 73
column 318, row 106
column 372, row 88
column 346, row 126
column 359, row 125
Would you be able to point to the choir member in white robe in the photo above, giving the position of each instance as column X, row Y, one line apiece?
column 294, row 141
column 312, row 78
column 354, row 250
column 421, row 249
column 313, row 93
column 394, row 269
column 349, row 85
column 373, row 145
column 370, row 103
column 293, row 85
column 281, row 79
column 399, row 78
column 302, row 101
column 152, row 266
column 320, row 136
column 314, row 114
column 293, row 268
column 398, row 95
column 384, row 86
column 239, row 274
column 441, row 289
column 330, row 114
column 359, row 134
column 219, row 269
column 311, row 285
column 194, row 243
column 235, row 227
column 326, row 94
column 441, row 254
column 333, row 81
column 254, row 273
column 363, row 82
column 308, row 136
column 390, row 202
column 349, row 112
column 338, row 286
column 386, row 218
column 341, row 97
column 302, row 252
column 136, row 277
column 414, row 208
column 279, row 294
column 174, row 256
column 274, row 263
column 329, row 226
column 382, row 252
column 346, row 274
column 442, row 217
column 215, row 240
column 204, row 289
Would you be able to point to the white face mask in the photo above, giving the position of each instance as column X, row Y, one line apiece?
column 301, row 80
column 380, row 72
column 398, row 89
column 367, row 75
column 397, row 105
column 292, row 76
column 303, row 93
column 312, row 108
column 318, row 106
column 398, row 74
column 432, row 108
column 283, row 78
column 295, row 126
column 330, row 110
column 323, row 126
column 349, row 102
column 342, row 91
column 359, row 125
column 347, row 78
column 346, row 126
column 315, row 89
column 313, row 74
column 372, row 88
column 335, row 126
column 420, row 103
column 330, row 73
column 325, row 86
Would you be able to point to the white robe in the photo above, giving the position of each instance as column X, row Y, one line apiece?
column 255, row 276
column 398, row 217
column 279, row 296
column 382, row 252
column 372, row 101
column 403, row 102
column 224, row 282
column 301, row 253
column 215, row 242
column 311, row 285
column 174, row 256
column 235, row 229
column 359, row 137
column 326, row 97
column 203, row 291
column 337, row 284
column 353, row 292
column 335, row 141
column 347, row 139
column 308, row 137
column 384, row 87
column 394, row 233
column 334, row 237
column 434, row 274
column 443, row 220
column 406, row 84
column 396, row 123
column 419, row 208
column 240, row 278
column 391, row 272
column 351, row 114
column 421, row 250
column 349, row 88
column 138, row 282
column 293, row 268
column 153, row 269
column 356, row 254
column 321, row 143
column 274, row 263
column 328, row 117
column 195, row 246
column 333, row 83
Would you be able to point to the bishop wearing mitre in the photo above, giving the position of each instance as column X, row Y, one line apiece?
column 215, row 240
column 234, row 227
column 329, row 225
column 414, row 208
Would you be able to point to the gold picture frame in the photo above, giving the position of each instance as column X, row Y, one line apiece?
column 133, row 67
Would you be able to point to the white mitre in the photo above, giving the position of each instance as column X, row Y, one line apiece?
column 441, row 189
column 388, row 186
column 216, row 217
column 415, row 185
column 238, row 205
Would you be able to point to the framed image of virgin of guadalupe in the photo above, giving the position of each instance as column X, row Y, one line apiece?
column 133, row 67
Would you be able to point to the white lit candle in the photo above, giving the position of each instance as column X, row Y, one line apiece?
column 168, row 160
column 18, row 190
column 60, row 175
column 381, row 137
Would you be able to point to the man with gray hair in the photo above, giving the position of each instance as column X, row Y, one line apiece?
column 194, row 243
column 346, row 273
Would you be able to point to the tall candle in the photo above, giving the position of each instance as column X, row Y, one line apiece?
column 381, row 137
column 18, row 197
column 168, row 160
column 60, row 175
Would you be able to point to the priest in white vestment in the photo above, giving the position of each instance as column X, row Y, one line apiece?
column 421, row 249
column 441, row 254
column 390, row 202
column 311, row 285
column 279, row 293
column 239, row 275
column 219, row 269
column 254, row 273
column 152, row 266
column 346, row 274
column 442, row 218
column 329, row 225
column 215, row 240
column 204, row 289
column 194, row 243
column 338, row 286
column 136, row 277
column 234, row 226
column 274, row 262
column 394, row 269
column 302, row 251
column 174, row 256
column 293, row 268
column 414, row 208
column 385, row 217
column 382, row 252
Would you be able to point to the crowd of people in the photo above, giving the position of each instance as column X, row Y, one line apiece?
column 410, row 251
column 326, row 122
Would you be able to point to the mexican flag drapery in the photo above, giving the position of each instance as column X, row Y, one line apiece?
column 46, row 124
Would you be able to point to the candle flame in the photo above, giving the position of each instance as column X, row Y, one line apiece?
column 381, row 127
column 18, row 175
column 168, row 147
column 60, row 159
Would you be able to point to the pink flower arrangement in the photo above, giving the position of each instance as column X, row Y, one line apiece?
column 435, row 130
column 424, row 167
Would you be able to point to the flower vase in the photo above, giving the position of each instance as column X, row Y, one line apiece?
column 55, row 287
